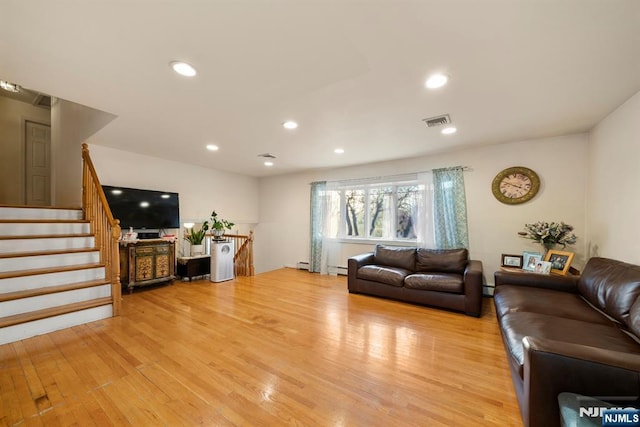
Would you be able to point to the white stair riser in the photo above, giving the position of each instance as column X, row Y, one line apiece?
column 22, row 283
column 51, row 324
column 37, row 229
column 32, row 213
column 26, row 305
column 46, row 261
column 35, row 245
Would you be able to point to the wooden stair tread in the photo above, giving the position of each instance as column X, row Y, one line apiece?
column 49, row 252
column 44, row 221
column 36, row 271
column 64, row 208
column 53, row 311
column 27, row 293
column 46, row 236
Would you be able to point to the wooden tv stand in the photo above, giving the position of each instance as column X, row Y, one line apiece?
column 147, row 262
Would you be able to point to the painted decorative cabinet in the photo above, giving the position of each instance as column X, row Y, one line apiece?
column 146, row 262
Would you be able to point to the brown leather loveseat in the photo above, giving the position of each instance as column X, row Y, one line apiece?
column 576, row 334
column 443, row 278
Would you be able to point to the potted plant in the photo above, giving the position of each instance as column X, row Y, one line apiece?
column 218, row 226
column 195, row 237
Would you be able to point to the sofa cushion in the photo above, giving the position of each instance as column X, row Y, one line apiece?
column 512, row 298
column 610, row 285
column 443, row 282
column 382, row 274
column 441, row 260
column 392, row 256
column 518, row 325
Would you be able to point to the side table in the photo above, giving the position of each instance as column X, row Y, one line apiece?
column 572, row 271
column 194, row 266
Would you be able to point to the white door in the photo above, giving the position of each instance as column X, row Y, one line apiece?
column 37, row 164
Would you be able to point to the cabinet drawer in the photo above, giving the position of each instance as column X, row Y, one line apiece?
column 144, row 250
column 162, row 249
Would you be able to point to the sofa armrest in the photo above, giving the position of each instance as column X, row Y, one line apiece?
column 473, row 288
column 360, row 260
column 353, row 264
column 548, row 281
column 552, row 367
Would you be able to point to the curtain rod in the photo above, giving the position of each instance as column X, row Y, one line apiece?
column 464, row 168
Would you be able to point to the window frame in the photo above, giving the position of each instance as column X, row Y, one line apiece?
column 366, row 238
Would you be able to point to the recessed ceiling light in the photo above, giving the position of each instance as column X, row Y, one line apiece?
column 212, row 147
column 290, row 124
column 268, row 163
column 165, row 196
column 9, row 87
column 144, row 204
column 339, row 150
column 448, row 130
column 183, row 68
column 436, row 80
column 116, row 192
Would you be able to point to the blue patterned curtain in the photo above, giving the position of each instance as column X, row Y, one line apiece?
column 317, row 225
column 450, row 209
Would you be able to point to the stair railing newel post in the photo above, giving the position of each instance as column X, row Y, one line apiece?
column 250, row 254
column 104, row 227
column 116, row 288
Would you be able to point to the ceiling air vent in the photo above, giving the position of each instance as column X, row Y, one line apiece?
column 267, row 156
column 42, row 101
column 437, row 120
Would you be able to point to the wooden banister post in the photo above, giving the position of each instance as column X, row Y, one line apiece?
column 104, row 227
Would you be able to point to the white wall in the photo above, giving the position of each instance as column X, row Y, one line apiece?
column 71, row 125
column 560, row 162
column 282, row 236
column 12, row 116
column 613, row 191
column 234, row 197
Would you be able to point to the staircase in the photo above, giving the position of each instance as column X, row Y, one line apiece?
column 58, row 267
column 51, row 273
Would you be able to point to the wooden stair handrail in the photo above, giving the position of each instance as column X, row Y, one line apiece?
column 94, row 176
column 243, row 256
column 103, row 225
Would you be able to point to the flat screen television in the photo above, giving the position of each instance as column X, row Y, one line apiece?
column 143, row 209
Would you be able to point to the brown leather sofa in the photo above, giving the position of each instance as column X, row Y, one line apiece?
column 435, row 277
column 576, row 334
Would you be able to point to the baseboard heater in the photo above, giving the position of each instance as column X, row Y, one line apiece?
column 340, row 271
column 333, row 269
column 487, row 290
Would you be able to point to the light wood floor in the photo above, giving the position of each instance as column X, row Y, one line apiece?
column 281, row 348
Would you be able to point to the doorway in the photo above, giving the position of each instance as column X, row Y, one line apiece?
column 37, row 164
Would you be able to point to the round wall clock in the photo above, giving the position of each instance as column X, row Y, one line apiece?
column 515, row 185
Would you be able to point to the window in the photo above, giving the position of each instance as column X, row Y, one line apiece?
column 381, row 211
column 426, row 209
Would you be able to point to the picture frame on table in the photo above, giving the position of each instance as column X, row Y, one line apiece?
column 560, row 261
column 542, row 267
column 530, row 259
column 514, row 261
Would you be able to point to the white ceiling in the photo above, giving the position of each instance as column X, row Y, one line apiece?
column 350, row 72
